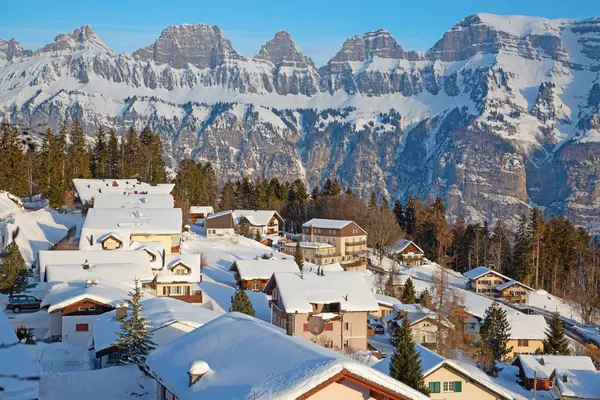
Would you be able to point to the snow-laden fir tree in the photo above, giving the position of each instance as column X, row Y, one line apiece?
column 405, row 363
column 13, row 273
column 409, row 295
column 556, row 342
column 240, row 302
column 494, row 336
column 298, row 257
column 134, row 341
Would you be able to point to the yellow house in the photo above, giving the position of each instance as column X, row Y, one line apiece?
column 452, row 380
column 527, row 333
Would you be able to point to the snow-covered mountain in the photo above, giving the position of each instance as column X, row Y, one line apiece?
column 501, row 113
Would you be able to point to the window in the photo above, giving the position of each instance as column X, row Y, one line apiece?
column 255, row 287
column 434, row 387
column 523, row 342
column 82, row 327
column 305, row 328
column 92, row 308
column 80, row 309
column 329, row 326
column 346, row 344
column 453, row 387
column 347, row 326
column 181, row 271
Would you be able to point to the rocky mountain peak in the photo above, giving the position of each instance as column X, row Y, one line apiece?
column 283, row 50
column 10, row 49
column 83, row 37
column 202, row 46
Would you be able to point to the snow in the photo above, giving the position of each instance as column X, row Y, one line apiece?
column 9, row 204
column 64, row 294
column 255, row 217
column 245, row 362
column 532, row 364
column 520, row 25
column 96, row 258
column 349, row 289
column 125, row 273
column 88, row 188
column 511, row 283
column 110, row 200
column 480, row 271
column 582, row 384
column 161, row 312
column 192, row 261
column 220, row 213
column 15, row 361
column 386, row 300
column 263, row 269
column 401, row 244
column 326, row 223
column 38, row 230
column 144, row 221
column 201, row 210
column 523, row 326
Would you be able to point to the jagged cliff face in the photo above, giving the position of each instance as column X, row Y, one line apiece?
column 500, row 114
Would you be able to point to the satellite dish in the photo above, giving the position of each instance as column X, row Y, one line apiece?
column 316, row 325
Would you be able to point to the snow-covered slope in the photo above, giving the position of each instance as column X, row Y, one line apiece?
column 502, row 112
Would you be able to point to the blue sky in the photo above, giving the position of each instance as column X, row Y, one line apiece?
column 318, row 27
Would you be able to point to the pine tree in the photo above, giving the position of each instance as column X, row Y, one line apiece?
column 12, row 162
column 298, row 257
column 134, row 341
column 113, row 155
column 373, row 204
column 389, row 286
column 408, row 294
column 556, row 342
column 405, row 363
column 494, row 333
column 399, row 213
column 100, row 155
column 257, row 236
column 240, row 302
column 78, row 156
column 12, row 270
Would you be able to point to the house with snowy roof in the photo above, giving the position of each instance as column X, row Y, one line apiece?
column 450, row 379
column 317, row 253
column 116, row 229
column 422, row 321
column 254, row 274
column 539, row 368
column 19, row 376
column 575, row 384
column 87, row 189
column 514, row 292
column 180, row 277
column 330, row 309
column 527, row 334
column 347, row 238
column 262, row 222
column 251, row 359
column 198, row 213
column 407, row 252
column 168, row 319
column 112, row 200
column 386, row 305
column 493, row 284
column 220, row 224
column 74, row 306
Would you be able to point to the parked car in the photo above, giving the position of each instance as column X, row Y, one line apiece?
column 379, row 329
column 20, row 302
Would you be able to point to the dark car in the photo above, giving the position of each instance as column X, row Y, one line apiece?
column 20, row 302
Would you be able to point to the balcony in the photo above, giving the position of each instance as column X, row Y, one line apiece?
column 196, row 297
column 361, row 243
column 353, row 264
column 360, row 252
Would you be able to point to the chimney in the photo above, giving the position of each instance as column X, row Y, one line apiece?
column 163, row 258
column 564, row 378
column 121, row 311
column 143, row 200
column 91, row 240
column 197, row 370
column 542, row 361
column 91, row 282
column 86, row 265
column 289, row 326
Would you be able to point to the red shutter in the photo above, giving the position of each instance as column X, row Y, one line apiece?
column 305, row 327
column 81, row 327
column 329, row 326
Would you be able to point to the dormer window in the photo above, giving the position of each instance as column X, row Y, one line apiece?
column 151, row 256
column 181, row 269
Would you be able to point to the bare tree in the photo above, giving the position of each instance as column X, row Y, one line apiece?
column 384, row 231
column 586, row 297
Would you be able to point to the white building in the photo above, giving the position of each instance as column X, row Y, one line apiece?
column 87, row 189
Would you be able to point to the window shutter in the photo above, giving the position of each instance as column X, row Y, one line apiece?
column 437, row 387
column 329, row 326
column 434, row 387
column 305, row 327
column 458, row 386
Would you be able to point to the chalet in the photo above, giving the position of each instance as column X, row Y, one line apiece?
column 539, row 368
column 254, row 274
column 329, row 309
column 250, row 359
column 471, row 323
column 116, row 228
column 87, row 189
column 483, row 280
column 348, row 239
column 262, row 222
column 452, row 379
column 16, row 361
column 112, row 265
column 422, row 321
column 527, row 334
column 313, row 252
column 112, row 200
column 514, row 292
column 221, row 224
column 180, row 278
column 575, row 384
column 407, row 252
column 168, row 318
column 198, row 213
column 74, row 306
column 386, row 306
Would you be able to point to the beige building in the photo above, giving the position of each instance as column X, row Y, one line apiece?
column 527, row 334
column 575, row 384
column 452, row 380
column 514, row 292
column 386, row 306
column 262, row 222
column 316, row 253
column 330, row 310
column 348, row 239
column 179, row 277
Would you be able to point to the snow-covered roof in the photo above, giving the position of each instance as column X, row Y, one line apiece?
column 523, row 326
column 95, row 258
column 9, row 203
column 64, row 294
column 160, row 312
column 347, row 288
column 512, row 283
column 387, row 300
column 255, row 217
column 244, row 359
column 580, row 384
column 192, row 261
column 431, row 361
column 125, row 273
column 310, row 245
column 201, row 210
column 401, row 244
column 262, row 269
column 138, row 221
column 480, row 271
column 410, row 308
column 87, row 189
column 15, row 361
column 111, row 200
column 326, row 223
column 543, row 365
column 220, row 213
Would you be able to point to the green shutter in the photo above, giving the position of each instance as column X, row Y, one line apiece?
column 458, row 386
column 434, row 387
